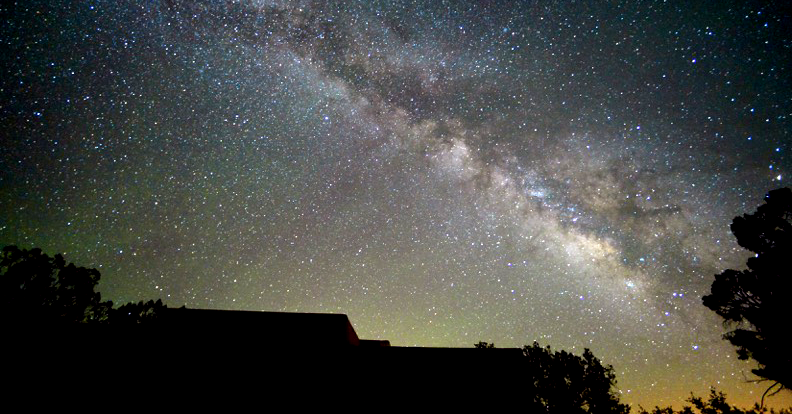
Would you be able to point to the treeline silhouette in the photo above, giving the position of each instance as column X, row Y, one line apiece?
column 715, row 404
column 37, row 290
column 561, row 382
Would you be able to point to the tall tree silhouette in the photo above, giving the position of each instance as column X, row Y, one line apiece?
column 755, row 302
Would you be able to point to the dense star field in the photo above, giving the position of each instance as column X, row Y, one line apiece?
column 443, row 172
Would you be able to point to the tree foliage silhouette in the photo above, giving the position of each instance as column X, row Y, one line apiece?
column 715, row 404
column 755, row 301
column 141, row 312
column 561, row 382
column 37, row 289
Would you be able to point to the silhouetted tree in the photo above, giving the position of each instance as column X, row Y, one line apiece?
column 36, row 288
column 755, row 301
column 560, row 382
column 133, row 313
column 716, row 404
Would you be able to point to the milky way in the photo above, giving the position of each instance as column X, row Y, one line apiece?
column 442, row 172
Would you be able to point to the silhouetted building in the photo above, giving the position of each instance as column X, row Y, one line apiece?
column 284, row 329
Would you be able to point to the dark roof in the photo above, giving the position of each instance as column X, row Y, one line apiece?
column 279, row 328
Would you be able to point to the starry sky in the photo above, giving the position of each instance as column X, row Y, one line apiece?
column 443, row 172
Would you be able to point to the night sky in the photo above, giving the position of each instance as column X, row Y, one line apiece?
column 442, row 172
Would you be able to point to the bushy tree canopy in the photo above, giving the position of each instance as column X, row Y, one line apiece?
column 562, row 382
column 37, row 289
column 755, row 301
